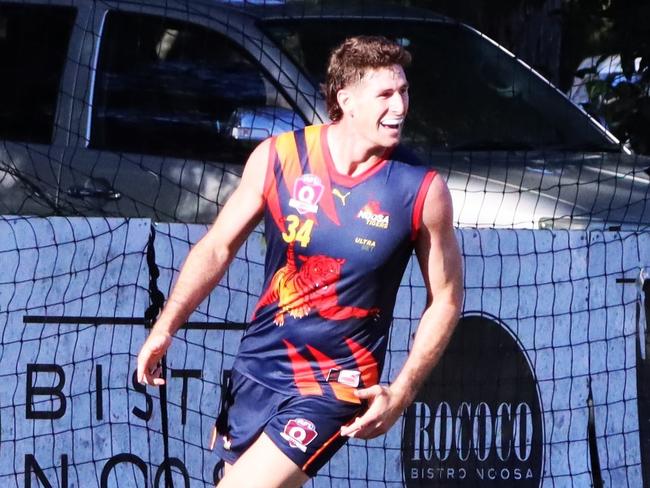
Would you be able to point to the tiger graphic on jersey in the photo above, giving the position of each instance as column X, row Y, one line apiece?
column 312, row 287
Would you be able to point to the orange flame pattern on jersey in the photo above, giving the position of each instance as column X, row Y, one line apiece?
column 286, row 152
column 305, row 378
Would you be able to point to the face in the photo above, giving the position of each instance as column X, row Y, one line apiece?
column 376, row 106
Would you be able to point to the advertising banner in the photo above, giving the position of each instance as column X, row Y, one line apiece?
column 537, row 388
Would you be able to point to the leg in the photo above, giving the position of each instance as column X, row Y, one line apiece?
column 227, row 467
column 263, row 465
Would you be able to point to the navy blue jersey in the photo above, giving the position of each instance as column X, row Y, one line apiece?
column 337, row 250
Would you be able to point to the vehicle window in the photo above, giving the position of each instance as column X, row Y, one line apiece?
column 465, row 92
column 33, row 46
column 173, row 88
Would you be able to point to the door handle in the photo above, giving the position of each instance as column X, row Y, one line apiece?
column 94, row 188
column 80, row 192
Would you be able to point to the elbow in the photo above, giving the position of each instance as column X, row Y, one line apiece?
column 454, row 304
column 459, row 296
column 213, row 254
column 448, row 302
column 451, row 295
column 457, row 291
column 222, row 255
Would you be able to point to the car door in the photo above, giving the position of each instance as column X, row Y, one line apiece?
column 174, row 107
column 37, row 51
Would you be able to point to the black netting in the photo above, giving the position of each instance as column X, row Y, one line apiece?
column 124, row 127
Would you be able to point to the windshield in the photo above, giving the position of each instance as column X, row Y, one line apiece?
column 466, row 93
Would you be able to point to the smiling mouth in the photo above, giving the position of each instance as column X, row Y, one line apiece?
column 392, row 123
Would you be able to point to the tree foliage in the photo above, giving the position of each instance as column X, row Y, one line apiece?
column 554, row 36
column 621, row 28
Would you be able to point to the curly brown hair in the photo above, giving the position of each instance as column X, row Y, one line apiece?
column 350, row 61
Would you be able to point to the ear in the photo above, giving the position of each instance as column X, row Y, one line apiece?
column 345, row 99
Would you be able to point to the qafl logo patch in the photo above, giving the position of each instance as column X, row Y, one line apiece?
column 374, row 215
column 299, row 433
column 307, row 192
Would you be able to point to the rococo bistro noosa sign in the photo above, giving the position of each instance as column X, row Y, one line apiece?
column 477, row 420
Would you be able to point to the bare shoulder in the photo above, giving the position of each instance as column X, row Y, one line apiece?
column 258, row 159
column 438, row 207
column 256, row 166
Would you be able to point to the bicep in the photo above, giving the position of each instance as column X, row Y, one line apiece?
column 436, row 245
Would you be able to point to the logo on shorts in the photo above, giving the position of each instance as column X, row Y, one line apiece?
column 307, row 192
column 299, row 433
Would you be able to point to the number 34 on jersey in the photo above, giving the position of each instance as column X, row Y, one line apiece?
column 298, row 230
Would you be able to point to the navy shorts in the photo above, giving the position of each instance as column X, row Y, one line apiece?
column 305, row 428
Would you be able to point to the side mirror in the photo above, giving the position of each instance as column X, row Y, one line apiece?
column 258, row 123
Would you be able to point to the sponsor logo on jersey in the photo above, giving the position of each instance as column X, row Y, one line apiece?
column 307, row 192
column 374, row 215
column 341, row 196
column 299, row 433
column 348, row 377
column 366, row 244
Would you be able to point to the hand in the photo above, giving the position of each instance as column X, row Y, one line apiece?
column 151, row 353
column 383, row 411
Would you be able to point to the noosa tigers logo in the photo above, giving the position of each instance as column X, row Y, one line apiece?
column 298, row 291
column 374, row 215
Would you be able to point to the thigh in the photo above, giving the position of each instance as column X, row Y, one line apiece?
column 245, row 411
column 302, row 430
column 308, row 430
column 263, row 465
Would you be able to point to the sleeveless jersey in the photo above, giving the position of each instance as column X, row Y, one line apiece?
column 337, row 247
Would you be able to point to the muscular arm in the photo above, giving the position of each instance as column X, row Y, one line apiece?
column 207, row 262
column 442, row 269
column 441, row 264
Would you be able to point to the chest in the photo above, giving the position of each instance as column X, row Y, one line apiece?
column 365, row 224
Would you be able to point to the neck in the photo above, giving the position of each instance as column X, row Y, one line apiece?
column 351, row 155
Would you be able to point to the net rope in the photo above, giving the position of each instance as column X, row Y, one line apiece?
column 123, row 129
